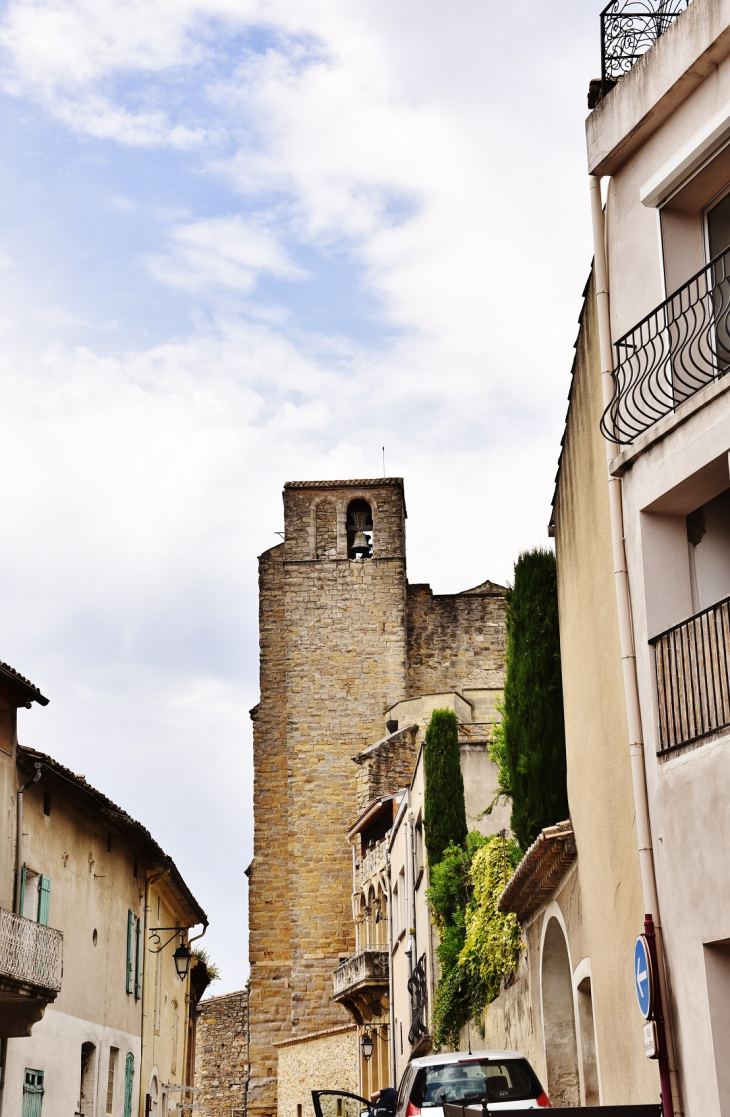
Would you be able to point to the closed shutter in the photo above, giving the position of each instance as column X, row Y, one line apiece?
column 128, row 1083
column 138, row 967
column 22, row 888
column 130, row 951
column 44, row 899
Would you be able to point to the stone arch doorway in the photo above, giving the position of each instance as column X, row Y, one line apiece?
column 558, row 1018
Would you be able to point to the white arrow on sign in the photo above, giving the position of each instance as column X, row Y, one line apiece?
column 641, row 976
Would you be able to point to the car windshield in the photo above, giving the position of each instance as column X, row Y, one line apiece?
column 474, row 1080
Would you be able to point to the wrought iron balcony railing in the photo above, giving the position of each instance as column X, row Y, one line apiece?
column 677, row 349
column 628, row 29
column 418, row 990
column 693, row 677
column 30, row 952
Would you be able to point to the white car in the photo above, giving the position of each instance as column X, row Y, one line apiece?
column 502, row 1079
column 499, row 1079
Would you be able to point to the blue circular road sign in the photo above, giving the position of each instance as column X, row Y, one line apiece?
column 643, row 977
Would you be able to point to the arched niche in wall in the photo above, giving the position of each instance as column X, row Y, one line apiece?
column 558, row 1016
column 325, row 529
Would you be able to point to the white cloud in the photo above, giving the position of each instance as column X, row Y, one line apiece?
column 227, row 252
column 419, row 161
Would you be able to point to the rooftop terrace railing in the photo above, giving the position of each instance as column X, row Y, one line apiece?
column 671, row 354
column 628, row 29
column 693, row 677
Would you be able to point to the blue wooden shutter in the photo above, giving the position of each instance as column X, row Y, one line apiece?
column 138, row 968
column 128, row 1083
column 130, row 951
column 22, row 888
column 44, row 899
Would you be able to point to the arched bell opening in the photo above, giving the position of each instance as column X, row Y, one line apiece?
column 359, row 530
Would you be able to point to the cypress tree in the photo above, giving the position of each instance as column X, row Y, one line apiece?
column 533, row 730
column 444, row 813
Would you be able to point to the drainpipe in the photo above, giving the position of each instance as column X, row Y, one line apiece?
column 390, row 969
column 19, row 835
column 16, row 903
column 142, row 999
column 667, row 1061
column 188, row 1000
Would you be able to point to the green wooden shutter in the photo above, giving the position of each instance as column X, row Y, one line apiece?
column 138, row 968
column 128, row 1082
column 130, row 951
column 22, row 888
column 44, row 899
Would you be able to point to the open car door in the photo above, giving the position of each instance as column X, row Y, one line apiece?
column 338, row 1103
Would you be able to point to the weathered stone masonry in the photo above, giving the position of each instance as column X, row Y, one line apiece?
column 221, row 1054
column 341, row 641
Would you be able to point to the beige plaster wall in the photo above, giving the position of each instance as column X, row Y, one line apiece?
column 324, row 1062
column 600, row 787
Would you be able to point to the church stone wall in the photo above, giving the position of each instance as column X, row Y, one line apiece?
column 455, row 641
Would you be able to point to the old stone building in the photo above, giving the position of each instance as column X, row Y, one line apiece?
column 221, row 1054
column 348, row 652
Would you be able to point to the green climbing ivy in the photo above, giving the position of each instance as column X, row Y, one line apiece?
column 478, row 945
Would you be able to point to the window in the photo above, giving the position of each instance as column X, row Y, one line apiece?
column 401, row 901
column 113, row 1056
column 33, row 1091
column 130, row 950
column 35, row 896
column 134, row 955
column 46, row 803
column 175, row 1028
column 396, row 910
column 419, row 851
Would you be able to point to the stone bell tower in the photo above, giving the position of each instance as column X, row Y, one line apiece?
column 333, row 659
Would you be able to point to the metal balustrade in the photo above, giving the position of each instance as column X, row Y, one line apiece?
column 418, row 989
column 683, row 345
column 693, row 680
column 628, row 29
column 30, row 952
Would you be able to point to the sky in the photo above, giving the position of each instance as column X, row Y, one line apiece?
column 244, row 242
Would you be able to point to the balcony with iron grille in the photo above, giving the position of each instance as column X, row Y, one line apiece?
column 361, row 984
column 693, row 678
column 672, row 354
column 628, row 29
column 31, row 962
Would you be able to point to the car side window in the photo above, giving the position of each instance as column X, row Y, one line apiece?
column 403, row 1088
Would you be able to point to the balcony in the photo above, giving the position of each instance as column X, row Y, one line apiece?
column 693, row 682
column 628, row 29
column 31, row 961
column 361, row 984
column 371, row 863
column 671, row 354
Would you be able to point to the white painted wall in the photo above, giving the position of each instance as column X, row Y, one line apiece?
column 55, row 1048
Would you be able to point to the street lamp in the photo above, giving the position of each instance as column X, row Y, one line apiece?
column 182, row 958
column 367, row 1046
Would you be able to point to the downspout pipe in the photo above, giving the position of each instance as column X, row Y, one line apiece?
column 19, row 836
column 671, row 1098
column 393, row 1081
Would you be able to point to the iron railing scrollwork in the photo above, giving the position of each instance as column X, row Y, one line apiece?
column 29, row 951
column 680, row 347
column 628, row 29
column 693, row 677
column 419, row 1002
